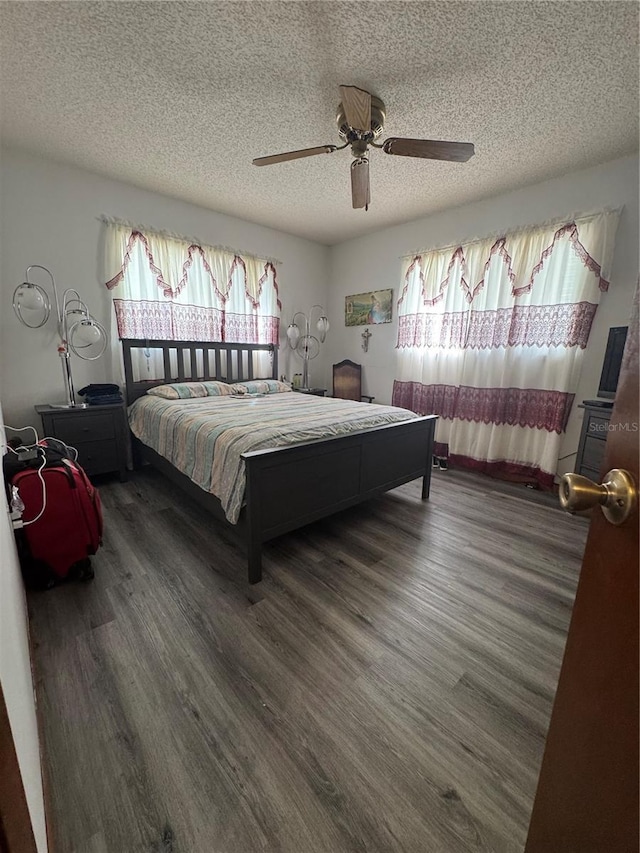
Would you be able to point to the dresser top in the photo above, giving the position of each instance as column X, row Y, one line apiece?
column 47, row 408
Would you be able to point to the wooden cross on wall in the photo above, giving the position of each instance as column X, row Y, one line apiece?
column 365, row 340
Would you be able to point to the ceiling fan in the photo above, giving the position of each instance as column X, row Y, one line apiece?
column 360, row 119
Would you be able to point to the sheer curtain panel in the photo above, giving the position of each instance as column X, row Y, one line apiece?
column 167, row 287
column 491, row 337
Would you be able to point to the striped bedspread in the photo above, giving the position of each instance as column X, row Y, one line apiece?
column 205, row 437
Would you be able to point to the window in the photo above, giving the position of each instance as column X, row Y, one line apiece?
column 491, row 336
column 166, row 287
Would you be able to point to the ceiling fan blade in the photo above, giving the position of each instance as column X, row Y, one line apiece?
column 294, row 155
column 360, row 187
column 430, row 149
column 356, row 104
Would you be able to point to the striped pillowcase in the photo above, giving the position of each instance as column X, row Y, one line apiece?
column 189, row 390
column 261, row 386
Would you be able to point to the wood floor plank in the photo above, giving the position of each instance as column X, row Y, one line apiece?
column 385, row 689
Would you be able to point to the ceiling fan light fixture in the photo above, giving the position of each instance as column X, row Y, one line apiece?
column 360, row 189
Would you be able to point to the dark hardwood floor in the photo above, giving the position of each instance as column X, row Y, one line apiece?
column 386, row 688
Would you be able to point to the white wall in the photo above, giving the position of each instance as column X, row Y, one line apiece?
column 15, row 671
column 48, row 216
column 373, row 263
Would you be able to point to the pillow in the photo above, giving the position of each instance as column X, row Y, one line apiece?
column 217, row 389
column 261, row 386
column 187, row 390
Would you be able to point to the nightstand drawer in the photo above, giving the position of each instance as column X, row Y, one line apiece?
column 593, row 452
column 598, row 427
column 593, row 440
column 88, row 426
column 98, row 457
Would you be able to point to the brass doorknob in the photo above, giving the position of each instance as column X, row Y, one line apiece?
column 617, row 495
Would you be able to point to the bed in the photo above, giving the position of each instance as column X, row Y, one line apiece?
column 288, row 486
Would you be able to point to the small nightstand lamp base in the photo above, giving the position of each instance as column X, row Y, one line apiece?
column 69, row 405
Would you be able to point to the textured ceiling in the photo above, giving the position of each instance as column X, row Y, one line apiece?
column 180, row 97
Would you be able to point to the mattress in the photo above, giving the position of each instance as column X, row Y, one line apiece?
column 205, row 437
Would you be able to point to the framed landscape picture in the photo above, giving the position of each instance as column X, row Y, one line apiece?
column 364, row 309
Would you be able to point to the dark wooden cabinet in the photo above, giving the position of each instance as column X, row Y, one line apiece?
column 99, row 434
column 593, row 440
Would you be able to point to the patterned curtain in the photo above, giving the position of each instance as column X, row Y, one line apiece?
column 491, row 337
column 170, row 288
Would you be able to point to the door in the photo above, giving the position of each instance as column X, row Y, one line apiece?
column 16, row 833
column 587, row 797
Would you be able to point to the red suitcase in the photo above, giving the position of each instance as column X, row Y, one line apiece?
column 70, row 528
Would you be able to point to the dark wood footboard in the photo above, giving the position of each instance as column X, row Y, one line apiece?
column 288, row 487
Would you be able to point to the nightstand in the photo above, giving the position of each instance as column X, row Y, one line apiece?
column 315, row 392
column 99, row 434
column 593, row 440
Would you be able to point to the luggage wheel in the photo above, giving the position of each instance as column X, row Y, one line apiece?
column 83, row 570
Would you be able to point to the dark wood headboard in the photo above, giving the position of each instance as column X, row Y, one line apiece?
column 184, row 361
